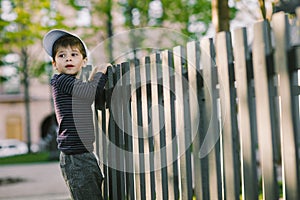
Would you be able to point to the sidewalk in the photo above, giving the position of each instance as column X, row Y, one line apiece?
column 42, row 181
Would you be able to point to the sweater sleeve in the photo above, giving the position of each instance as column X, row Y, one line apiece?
column 77, row 88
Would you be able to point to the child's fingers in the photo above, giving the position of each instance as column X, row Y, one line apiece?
column 103, row 67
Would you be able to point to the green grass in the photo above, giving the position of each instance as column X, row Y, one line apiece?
column 26, row 158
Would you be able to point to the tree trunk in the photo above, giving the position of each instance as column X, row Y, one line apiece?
column 262, row 8
column 26, row 97
column 220, row 15
column 109, row 30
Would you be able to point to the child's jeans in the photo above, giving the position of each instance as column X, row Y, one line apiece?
column 82, row 175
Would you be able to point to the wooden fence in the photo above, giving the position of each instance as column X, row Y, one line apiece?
column 216, row 119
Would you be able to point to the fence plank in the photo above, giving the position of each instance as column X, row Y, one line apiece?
column 112, row 173
column 167, row 64
column 139, row 159
column 174, row 135
column 154, row 61
column 230, row 137
column 101, row 133
column 105, row 153
column 263, row 75
column 193, row 67
column 196, row 83
column 162, row 126
column 210, row 146
column 145, row 123
column 243, row 75
column 187, row 138
column 140, row 174
column 101, row 147
column 109, row 126
column 280, row 26
column 150, row 127
column 119, row 134
column 99, row 117
column 179, row 61
column 127, row 130
column 296, row 74
column 135, row 131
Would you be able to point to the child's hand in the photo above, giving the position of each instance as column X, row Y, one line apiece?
column 101, row 68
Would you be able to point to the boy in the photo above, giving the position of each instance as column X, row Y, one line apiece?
column 72, row 101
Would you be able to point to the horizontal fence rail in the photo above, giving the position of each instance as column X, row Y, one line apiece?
column 215, row 119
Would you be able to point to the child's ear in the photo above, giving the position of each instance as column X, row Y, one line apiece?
column 54, row 65
column 85, row 61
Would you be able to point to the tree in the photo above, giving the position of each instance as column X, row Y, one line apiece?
column 103, row 10
column 19, row 33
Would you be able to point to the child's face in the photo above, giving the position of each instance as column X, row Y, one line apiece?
column 68, row 60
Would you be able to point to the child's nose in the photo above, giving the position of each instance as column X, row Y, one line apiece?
column 68, row 58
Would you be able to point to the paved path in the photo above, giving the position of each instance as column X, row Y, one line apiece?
column 41, row 181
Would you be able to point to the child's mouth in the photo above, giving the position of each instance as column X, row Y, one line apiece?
column 69, row 66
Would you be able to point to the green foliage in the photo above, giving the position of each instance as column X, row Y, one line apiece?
column 3, row 79
column 74, row 5
column 20, row 34
column 128, row 7
column 40, row 68
column 28, row 24
column 232, row 12
column 3, row 41
column 175, row 12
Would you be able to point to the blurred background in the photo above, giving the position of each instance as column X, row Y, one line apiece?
column 27, row 121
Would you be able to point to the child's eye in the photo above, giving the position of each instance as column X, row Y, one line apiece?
column 74, row 54
column 62, row 55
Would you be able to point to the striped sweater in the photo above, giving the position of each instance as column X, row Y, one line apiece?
column 72, row 102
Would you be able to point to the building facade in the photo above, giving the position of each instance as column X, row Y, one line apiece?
column 13, row 117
